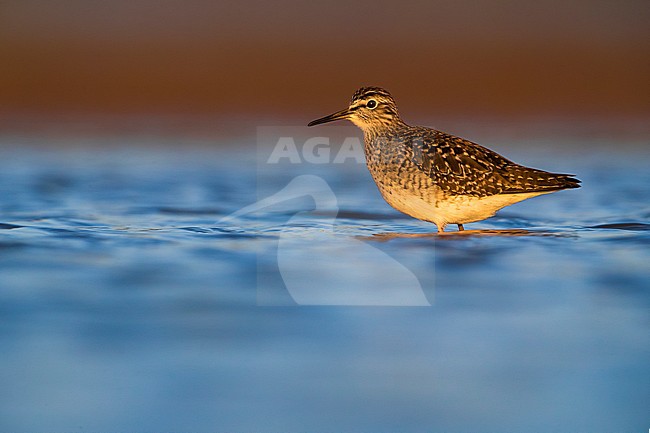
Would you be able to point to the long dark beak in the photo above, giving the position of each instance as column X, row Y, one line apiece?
column 343, row 114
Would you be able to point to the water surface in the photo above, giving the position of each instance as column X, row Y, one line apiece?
column 127, row 304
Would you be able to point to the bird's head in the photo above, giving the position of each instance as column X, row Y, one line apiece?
column 371, row 108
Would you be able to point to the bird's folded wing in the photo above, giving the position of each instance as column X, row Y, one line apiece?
column 460, row 167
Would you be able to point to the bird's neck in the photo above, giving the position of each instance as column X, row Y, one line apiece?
column 374, row 131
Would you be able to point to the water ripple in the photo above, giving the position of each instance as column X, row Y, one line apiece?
column 624, row 226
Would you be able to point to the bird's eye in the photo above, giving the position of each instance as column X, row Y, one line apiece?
column 371, row 104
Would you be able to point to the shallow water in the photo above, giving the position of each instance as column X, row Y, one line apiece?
column 128, row 303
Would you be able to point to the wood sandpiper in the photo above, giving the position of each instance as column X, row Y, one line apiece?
column 435, row 176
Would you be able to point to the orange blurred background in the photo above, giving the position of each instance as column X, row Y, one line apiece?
column 257, row 60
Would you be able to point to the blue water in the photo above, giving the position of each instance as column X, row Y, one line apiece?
column 129, row 304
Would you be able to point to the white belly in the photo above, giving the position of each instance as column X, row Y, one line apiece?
column 450, row 210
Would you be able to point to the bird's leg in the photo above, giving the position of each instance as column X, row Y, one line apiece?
column 441, row 228
column 460, row 227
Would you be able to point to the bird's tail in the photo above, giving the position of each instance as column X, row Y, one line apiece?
column 524, row 179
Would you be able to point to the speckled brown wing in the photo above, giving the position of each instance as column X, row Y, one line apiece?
column 460, row 167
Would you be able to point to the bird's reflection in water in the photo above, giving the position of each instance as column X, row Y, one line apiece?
column 382, row 237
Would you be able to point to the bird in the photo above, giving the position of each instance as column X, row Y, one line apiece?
column 435, row 176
